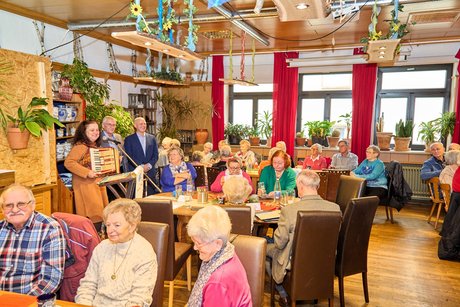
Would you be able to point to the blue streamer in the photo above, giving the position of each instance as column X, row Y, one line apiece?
column 160, row 18
column 147, row 62
column 213, row 3
column 396, row 8
column 191, row 44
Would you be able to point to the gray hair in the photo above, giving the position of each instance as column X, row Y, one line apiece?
column 226, row 151
column 209, row 224
column 374, row 148
column 128, row 207
column 452, row 157
column 179, row 151
column 454, row 146
column 208, row 144
column 308, row 178
column 175, row 142
column 272, row 151
column 236, row 189
column 107, row 118
column 320, row 148
column 436, row 143
column 197, row 156
column 166, row 140
column 234, row 160
column 16, row 187
column 137, row 119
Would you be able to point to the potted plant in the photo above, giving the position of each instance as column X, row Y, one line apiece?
column 445, row 125
column 253, row 133
column 403, row 135
column 32, row 120
column 346, row 118
column 334, row 138
column 300, row 139
column 383, row 138
column 264, row 123
column 319, row 130
column 234, row 133
column 427, row 134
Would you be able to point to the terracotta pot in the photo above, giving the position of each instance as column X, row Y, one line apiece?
column 332, row 141
column 255, row 141
column 65, row 90
column 384, row 139
column 402, row 144
column 17, row 139
column 309, row 142
column 300, row 141
column 201, row 136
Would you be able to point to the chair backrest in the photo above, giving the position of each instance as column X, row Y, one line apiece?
column 200, row 179
column 157, row 234
column 313, row 255
column 240, row 216
column 354, row 236
column 333, row 180
column 211, row 174
column 322, row 190
column 433, row 187
column 251, row 251
column 349, row 187
column 446, row 190
column 160, row 211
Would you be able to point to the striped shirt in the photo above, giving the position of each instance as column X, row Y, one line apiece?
column 32, row 259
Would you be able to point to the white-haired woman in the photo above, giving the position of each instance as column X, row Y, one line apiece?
column 222, row 279
column 233, row 170
column 452, row 159
column 177, row 171
column 237, row 190
column 163, row 152
column 245, row 154
column 207, row 153
column 315, row 161
column 116, row 275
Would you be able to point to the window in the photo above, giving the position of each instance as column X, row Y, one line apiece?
column 418, row 93
column 324, row 97
column 249, row 102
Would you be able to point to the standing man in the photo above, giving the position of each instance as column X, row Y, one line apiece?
column 280, row 251
column 143, row 149
column 344, row 159
column 109, row 124
column 435, row 164
column 32, row 245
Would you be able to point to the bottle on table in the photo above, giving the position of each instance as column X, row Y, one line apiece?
column 277, row 191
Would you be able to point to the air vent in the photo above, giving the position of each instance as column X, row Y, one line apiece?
column 448, row 16
column 218, row 34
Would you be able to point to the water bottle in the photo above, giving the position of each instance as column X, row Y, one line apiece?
column 277, row 191
column 190, row 186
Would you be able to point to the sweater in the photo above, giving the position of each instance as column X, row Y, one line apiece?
column 268, row 177
column 135, row 275
column 373, row 172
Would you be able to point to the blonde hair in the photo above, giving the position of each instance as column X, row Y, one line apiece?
column 236, row 189
column 128, row 207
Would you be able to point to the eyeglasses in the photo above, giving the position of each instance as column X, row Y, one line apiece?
column 200, row 245
column 234, row 168
column 21, row 205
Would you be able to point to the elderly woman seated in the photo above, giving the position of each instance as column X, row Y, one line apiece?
column 177, row 171
column 237, row 190
column 222, row 279
column 225, row 155
column 197, row 157
column 245, row 154
column 233, row 170
column 452, row 159
column 116, row 275
column 315, row 161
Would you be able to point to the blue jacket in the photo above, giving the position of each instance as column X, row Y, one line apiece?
column 167, row 179
column 373, row 172
column 431, row 168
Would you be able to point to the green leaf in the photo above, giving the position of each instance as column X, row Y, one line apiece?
column 34, row 128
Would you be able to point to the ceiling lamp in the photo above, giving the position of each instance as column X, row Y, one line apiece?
column 327, row 61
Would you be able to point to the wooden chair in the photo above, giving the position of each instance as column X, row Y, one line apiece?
column 322, row 190
column 251, row 251
column 349, row 187
column 240, row 216
column 354, row 241
column 446, row 191
column 313, row 257
column 333, row 180
column 211, row 174
column 433, row 187
column 157, row 234
column 160, row 211
column 200, row 179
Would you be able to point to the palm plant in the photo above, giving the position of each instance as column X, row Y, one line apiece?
column 445, row 124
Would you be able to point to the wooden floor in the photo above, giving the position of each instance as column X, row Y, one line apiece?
column 404, row 269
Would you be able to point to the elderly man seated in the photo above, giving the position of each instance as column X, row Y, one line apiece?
column 236, row 190
column 32, row 245
column 233, row 170
column 279, row 252
column 344, row 159
column 435, row 164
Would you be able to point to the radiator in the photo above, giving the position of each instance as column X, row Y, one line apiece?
column 412, row 176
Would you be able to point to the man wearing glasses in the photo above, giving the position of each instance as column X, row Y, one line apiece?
column 32, row 245
column 435, row 164
column 344, row 159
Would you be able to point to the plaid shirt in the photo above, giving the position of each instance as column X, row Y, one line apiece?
column 32, row 259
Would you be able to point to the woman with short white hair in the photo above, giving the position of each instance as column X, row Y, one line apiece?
column 236, row 189
column 245, row 154
column 207, row 152
column 222, row 280
column 452, row 159
column 315, row 161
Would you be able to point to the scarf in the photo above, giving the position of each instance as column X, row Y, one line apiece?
column 181, row 168
column 206, row 270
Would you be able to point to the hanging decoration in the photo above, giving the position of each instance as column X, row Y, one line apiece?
column 242, row 80
column 113, row 62
column 41, row 35
column 214, row 3
column 77, row 48
column 133, row 63
column 192, row 38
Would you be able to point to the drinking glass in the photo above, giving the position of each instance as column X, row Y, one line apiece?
column 261, row 189
column 290, row 196
column 178, row 190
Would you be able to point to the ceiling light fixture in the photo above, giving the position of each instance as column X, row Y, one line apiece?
column 302, row 6
column 327, row 61
column 148, row 43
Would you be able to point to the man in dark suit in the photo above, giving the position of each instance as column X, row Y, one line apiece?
column 142, row 147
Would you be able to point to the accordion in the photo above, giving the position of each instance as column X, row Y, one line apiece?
column 104, row 160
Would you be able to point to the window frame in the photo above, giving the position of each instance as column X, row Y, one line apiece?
column 412, row 94
column 254, row 96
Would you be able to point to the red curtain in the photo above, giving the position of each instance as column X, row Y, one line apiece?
column 363, row 96
column 456, row 136
column 217, row 99
column 285, row 97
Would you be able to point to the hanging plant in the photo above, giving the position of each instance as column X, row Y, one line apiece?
column 192, row 38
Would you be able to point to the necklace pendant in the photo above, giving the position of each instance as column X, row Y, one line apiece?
column 114, row 276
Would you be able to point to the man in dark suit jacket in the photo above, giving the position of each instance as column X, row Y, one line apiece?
column 142, row 147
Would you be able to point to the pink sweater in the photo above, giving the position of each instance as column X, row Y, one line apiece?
column 217, row 187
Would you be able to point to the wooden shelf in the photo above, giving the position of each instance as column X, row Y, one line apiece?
column 70, row 122
column 382, row 50
column 151, row 42
column 64, row 137
column 238, row 81
column 158, row 81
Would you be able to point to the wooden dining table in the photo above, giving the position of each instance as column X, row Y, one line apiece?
column 12, row 299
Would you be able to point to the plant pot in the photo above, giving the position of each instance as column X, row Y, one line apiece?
column 384, row 139
column 333, row 141
column 319, row 140
column 269, row 142
column 300, row 141
column 428, row 147
column 402, row 144
column 65, row 90
column 234, row 139
column 17, row 139
column 201, row 136
column 309, row 142
column 255, row 141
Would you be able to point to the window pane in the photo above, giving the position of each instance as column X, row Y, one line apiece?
column 393, row 109
column 340, row 106
column 242, row 111
column 426, row 109
column 265, row 105
column 262, row 88
column 414, row 79
column 326, row 82
column 312, row 109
